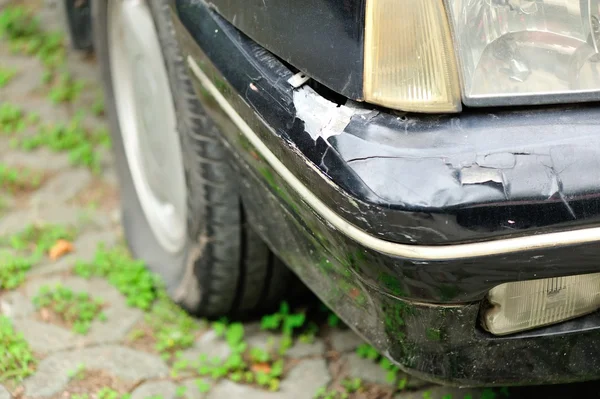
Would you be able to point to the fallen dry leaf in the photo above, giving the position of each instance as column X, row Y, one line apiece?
column 261, row 368
column 60, row 248
column 44, row 314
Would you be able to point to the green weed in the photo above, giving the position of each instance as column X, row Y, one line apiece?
column 22, row 29
column 109, row 393
column 202, row 385
column 13, row 269
column 76, row 309
column 243, row 365
column 128, row 275
column 17, row 361
column 11, row 118
column 37, row 239
column 286, row 322
column 180, row 391
column 98, row 105
column 65, row 89
column 73, row 138
column 393, row 374
column 78, row 373
column 6, row 75
column 17, row 23
column 172, row 328
column 18, row 179
column 324, row 393
column 352, row 385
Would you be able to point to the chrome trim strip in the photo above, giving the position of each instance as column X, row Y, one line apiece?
column 420, row 252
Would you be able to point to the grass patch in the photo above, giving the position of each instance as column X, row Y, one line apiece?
column 72, row 137
column 255, row 366
column 11, row 118
column 393, row 374
column 37, row 240
column 16, row 361
column 6, row 75
column 23, row 31
column 77, row 310
column 65, row 89
column 244, row 365
column 19, row 179
column 98, row 105
column 128, row 275
column 172, row 329
column 13, row 270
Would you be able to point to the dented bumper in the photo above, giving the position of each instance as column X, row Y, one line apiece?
column 403, row 223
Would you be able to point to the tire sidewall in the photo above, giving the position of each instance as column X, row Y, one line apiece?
column 142, row 242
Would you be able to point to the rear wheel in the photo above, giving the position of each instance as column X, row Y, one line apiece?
column 182, row 213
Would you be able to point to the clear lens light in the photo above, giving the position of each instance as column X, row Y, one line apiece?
column 409, row 58
column 525, row 305
column 527, row 51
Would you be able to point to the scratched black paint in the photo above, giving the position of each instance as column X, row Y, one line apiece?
column 323, row 38
column 444, row 179
column 385, row 298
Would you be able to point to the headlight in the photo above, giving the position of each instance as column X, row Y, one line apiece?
column 527, row 51
column 525, row 305
column 409, row 58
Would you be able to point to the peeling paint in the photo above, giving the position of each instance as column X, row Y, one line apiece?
column 478, row 175
column 323, row 118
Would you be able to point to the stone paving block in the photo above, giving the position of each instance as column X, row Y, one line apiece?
column 366, row 369
column 301, row 349
column 15, row 305
column 15, row 221
column 27, row 79
column 48, row 267
column 82, row 68
column 264, row 340
column 121, row 318
column 302, row 383
column 87, row 244
column 51, row 376
column 192, row 391
column 303, row 380
column 164, row 389
column 47, row 338
column 41, row 159
column 4, row 394
column 207, row 344
column 97, row 287
column 62, row 187
column 345, row 340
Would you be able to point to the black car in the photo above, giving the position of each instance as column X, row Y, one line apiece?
column 429, row 168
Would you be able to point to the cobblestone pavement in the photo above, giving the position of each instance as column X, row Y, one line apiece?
column 74, row 196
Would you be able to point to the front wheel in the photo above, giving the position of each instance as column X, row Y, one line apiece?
column 182, row 213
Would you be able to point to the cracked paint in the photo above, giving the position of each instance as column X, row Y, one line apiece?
column 323, row 118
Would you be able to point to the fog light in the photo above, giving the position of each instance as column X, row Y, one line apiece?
column 525, row 305
column 409, row 57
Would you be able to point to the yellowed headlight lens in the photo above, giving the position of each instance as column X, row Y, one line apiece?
column 525, row 305
column 409, row 58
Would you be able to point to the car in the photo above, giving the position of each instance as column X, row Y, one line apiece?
column 430, row 169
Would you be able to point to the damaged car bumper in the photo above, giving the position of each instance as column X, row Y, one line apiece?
column 403, row 223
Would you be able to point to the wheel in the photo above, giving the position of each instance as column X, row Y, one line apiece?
column 182, row 213
column 76, row 18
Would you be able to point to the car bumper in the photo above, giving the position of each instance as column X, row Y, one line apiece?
column 403, row 223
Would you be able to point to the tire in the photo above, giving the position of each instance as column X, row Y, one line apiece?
column 76, row 18
column 223, row 268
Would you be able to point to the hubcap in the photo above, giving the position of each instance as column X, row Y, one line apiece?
column 147, row 120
